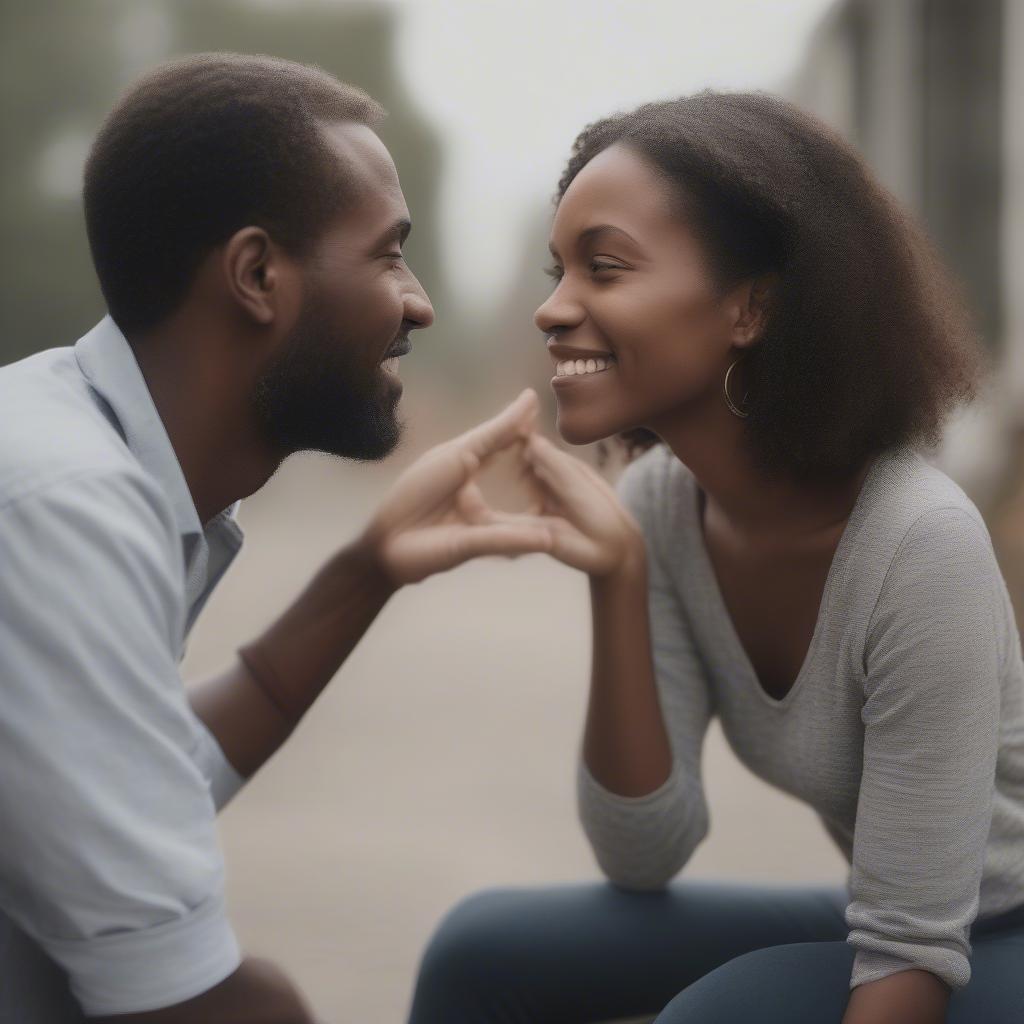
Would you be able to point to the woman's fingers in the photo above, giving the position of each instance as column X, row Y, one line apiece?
column 564, row 479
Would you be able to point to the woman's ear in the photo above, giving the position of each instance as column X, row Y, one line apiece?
column 752, row 302
column 257, row 275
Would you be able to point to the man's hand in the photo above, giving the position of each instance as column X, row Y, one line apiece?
column 435, row 517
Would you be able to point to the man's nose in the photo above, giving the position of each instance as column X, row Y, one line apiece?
column 418, row 310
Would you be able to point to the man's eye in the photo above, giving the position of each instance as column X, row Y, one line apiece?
column 598, row 265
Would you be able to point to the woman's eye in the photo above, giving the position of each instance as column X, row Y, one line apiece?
column 595, row 267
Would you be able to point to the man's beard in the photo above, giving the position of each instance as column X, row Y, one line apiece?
column 317, row 397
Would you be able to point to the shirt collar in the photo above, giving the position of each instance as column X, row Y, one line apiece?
column 108, row 363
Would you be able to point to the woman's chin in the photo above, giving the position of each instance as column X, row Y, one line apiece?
column 579, row 430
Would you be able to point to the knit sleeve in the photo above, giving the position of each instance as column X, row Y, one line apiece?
column 931, row 723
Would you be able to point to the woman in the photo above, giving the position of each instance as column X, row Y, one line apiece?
column 732, row 280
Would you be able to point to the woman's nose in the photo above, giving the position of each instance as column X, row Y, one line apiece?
column 558, row 311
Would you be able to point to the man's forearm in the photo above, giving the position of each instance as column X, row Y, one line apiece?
column 253, row 706
column 908, row 997
column 257, row 993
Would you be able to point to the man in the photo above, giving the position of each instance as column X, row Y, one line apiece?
column 246, row 226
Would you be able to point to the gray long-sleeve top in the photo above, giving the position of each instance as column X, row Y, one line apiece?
column 904, row 729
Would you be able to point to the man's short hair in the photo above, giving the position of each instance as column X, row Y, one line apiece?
column 196, row 150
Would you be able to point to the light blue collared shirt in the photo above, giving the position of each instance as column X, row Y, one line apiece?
column 110, row 872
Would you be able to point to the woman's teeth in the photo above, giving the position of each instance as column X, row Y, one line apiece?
column 391, row 365
column 576, row 367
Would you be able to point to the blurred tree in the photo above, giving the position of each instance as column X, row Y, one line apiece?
column 57, row 75
column 63, row 64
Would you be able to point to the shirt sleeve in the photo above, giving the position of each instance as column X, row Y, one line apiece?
column 643, row 842
column 109, row 858
column 219, row 772
column 931, row 724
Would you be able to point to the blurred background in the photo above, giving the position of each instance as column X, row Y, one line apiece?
column 441, row 760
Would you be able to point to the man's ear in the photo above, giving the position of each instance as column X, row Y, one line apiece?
column 259, row 278
column 751, row 306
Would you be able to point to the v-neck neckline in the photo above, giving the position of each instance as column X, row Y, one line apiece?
column 716, row 613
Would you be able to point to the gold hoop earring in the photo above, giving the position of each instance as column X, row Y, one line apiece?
column 733, row 407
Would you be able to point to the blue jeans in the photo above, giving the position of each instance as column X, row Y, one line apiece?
column 697, row 953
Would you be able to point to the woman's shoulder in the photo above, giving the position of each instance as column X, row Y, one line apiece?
column 920, row 543
column 907, row 498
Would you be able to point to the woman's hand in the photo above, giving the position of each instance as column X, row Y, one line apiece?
column 590, row 529
column 435, row 517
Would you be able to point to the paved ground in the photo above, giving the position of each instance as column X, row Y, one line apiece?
column 439, row 761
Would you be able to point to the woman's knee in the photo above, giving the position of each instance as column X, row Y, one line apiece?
column 483, row 939
column 797, row 983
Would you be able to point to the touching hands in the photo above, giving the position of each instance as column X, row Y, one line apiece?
column 435, row 516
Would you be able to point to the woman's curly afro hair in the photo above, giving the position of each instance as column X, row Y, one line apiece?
column 867, row 344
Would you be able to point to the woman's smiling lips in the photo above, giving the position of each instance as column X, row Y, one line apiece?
column 574, row 365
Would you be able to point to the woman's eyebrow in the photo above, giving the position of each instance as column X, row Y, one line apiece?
column 589, row 234
column 595, row 232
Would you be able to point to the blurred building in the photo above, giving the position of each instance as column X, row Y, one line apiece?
column 928, row 92
column 932, row 93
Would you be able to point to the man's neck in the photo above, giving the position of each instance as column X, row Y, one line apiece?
column 205, row 405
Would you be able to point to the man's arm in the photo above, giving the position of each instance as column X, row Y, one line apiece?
column 433, row 519
column 253, row 706
column 109, row 860
column 256, row 993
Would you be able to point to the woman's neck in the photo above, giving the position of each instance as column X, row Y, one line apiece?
column 750, row 499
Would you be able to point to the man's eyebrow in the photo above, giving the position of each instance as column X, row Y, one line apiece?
column 398, row 232
column 595, row 231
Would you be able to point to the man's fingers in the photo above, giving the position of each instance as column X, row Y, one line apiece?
column 512, row 423
column 472, row 505
column 503, row 538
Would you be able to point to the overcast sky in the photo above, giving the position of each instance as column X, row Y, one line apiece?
column 509, row 84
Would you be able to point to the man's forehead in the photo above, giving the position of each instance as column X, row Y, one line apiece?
column 365, row 158
column 370, row 180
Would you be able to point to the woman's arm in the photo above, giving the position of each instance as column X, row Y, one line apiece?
column 931, row 714
column 625, row 744
column 640, row 796
column 909, row 997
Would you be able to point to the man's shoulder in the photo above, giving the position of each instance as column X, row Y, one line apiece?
column 53, row 429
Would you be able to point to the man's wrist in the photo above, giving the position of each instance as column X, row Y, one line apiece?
column 363, row 558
